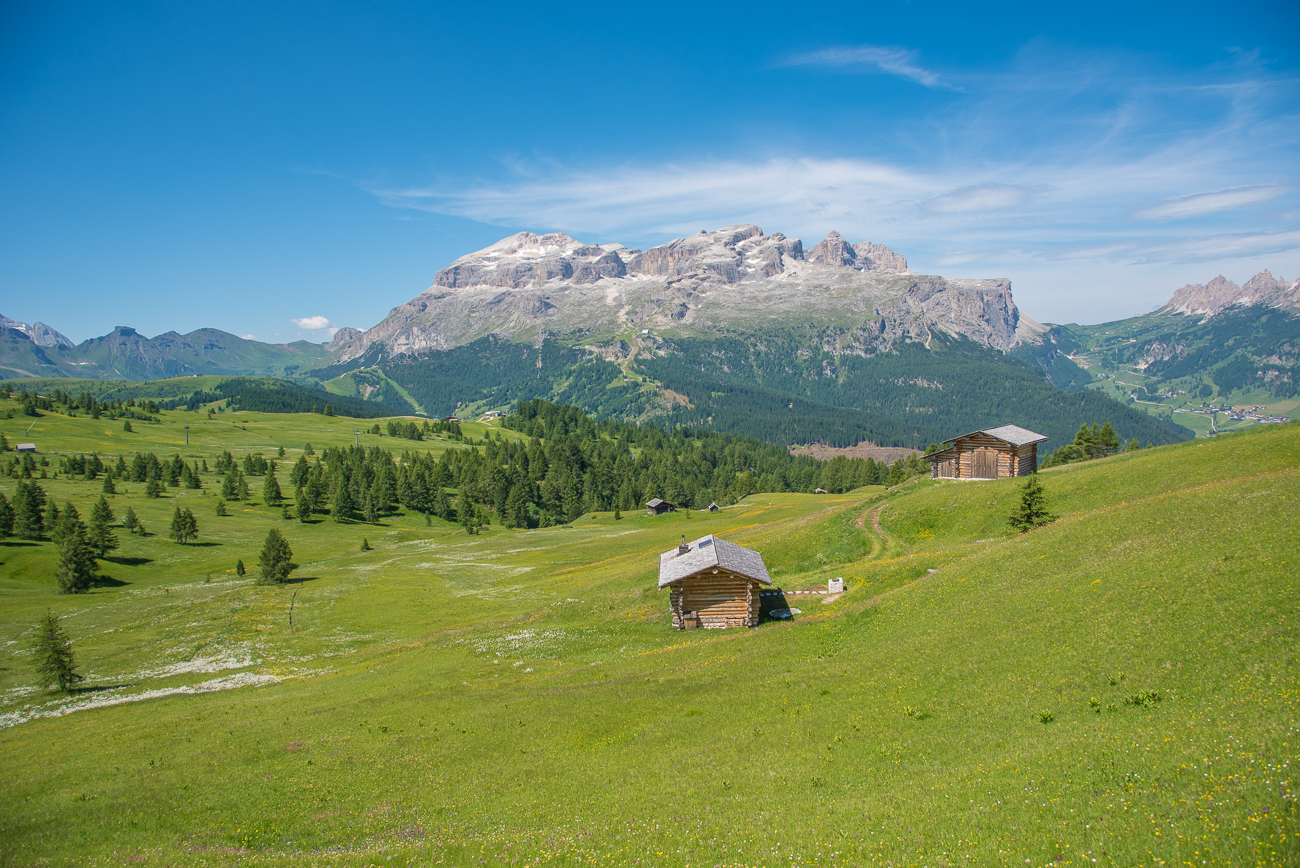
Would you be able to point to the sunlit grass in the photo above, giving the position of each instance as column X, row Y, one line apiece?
column 519, row 697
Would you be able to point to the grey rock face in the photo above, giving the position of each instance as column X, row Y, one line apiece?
column 1220, row 294
column 735, row 279
column 834, row 250
column 38, row 333
column 342, row 337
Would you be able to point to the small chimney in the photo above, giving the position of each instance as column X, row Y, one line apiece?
column 683, row 548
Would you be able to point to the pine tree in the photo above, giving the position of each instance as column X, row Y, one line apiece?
column 239, row 567
column 1032, row 510
column 126, row 426
column 6, row 518
column 304, row 504
column 51, row 520
column 271, row 495
column 276, row 558
column 55, row 664
column 342, row 502
column 242, row 489
column 365, row 545
column 101, row 539
column 1107, row 440
column 29, row 510
column 129, row 521
column 371, row 514
column 76, row 568
column 221, row 507
column 184, row 526
column 230, row 485
column 109, row 486
column 153, row 487
column 618, row 516
column 441, row 503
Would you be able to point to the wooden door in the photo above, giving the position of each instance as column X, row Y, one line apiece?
column 984, row 464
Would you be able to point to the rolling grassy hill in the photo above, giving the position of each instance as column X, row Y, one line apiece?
column 518, row 697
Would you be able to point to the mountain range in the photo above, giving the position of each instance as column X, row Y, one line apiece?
column 732, row 328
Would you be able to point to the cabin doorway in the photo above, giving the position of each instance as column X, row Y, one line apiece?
column 984, row 464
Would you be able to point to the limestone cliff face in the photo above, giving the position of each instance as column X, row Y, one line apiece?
column 1220, row 294
column 735, row 279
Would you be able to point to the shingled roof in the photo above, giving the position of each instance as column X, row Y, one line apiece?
column 1013, row 434
column 708, row 552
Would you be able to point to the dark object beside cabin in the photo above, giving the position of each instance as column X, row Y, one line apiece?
column 992, row 453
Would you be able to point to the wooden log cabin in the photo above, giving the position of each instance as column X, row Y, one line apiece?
column 713, row 583
column 657, row 506
column 992, row 453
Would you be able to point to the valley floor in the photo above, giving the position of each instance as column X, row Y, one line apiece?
column 1118, row 687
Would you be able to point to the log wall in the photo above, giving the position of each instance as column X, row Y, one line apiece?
column 979, row 456
column 722, row 600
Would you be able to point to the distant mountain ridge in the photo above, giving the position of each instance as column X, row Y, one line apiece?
column 527, row 287
column 125, row 354
column 1220, row 294
column 39, row 333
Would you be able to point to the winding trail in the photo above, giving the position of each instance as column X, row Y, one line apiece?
column 875, row 524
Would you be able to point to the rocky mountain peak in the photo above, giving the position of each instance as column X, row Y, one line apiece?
column 737, row 278
column 865, row 256
column 1219, row 294
column 524, row 259
column 38, row 333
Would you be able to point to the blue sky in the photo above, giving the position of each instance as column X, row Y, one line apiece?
column 246, row 165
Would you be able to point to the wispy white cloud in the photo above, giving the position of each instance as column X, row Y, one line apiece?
column 1213, row 202
column 249, row 337
column 890, row 59
column 986, row 197
column 312, row 323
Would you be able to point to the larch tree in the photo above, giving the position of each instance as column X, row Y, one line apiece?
column 55, row 664
column 1032, row 510
column 276, row 558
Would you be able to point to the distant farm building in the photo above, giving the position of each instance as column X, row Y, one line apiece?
column 713, row 583
column 713, row 507
column 659, row 507
column 993, row 453
column 26, row 447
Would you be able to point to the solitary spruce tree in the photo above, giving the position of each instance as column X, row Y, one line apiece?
column 1032, row 509
column 54, row 661
column 98, row 534
column 75, row 572
column 184, row 526
column 276, row 559
column 271, row 490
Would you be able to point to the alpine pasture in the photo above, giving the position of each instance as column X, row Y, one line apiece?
column 1120, row 687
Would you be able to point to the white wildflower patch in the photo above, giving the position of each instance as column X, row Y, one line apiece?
column 521, row 643
column 116, row 696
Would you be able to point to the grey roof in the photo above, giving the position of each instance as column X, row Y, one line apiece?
column 708, row 552
column 1013, row 434
column 656, row 502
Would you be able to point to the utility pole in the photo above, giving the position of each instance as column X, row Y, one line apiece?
column 357, row 433
column 187, row 435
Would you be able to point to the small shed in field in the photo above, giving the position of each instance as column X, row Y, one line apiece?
column 713, row 583
column 659, row 507
column 25, row 447
column 991, row 453
column 713, row 507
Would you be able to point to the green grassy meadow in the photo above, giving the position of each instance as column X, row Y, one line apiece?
column 519, row 697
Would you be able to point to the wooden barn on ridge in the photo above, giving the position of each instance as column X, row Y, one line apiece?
column 991, row 453
column 658, row 506
column 713, row 583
